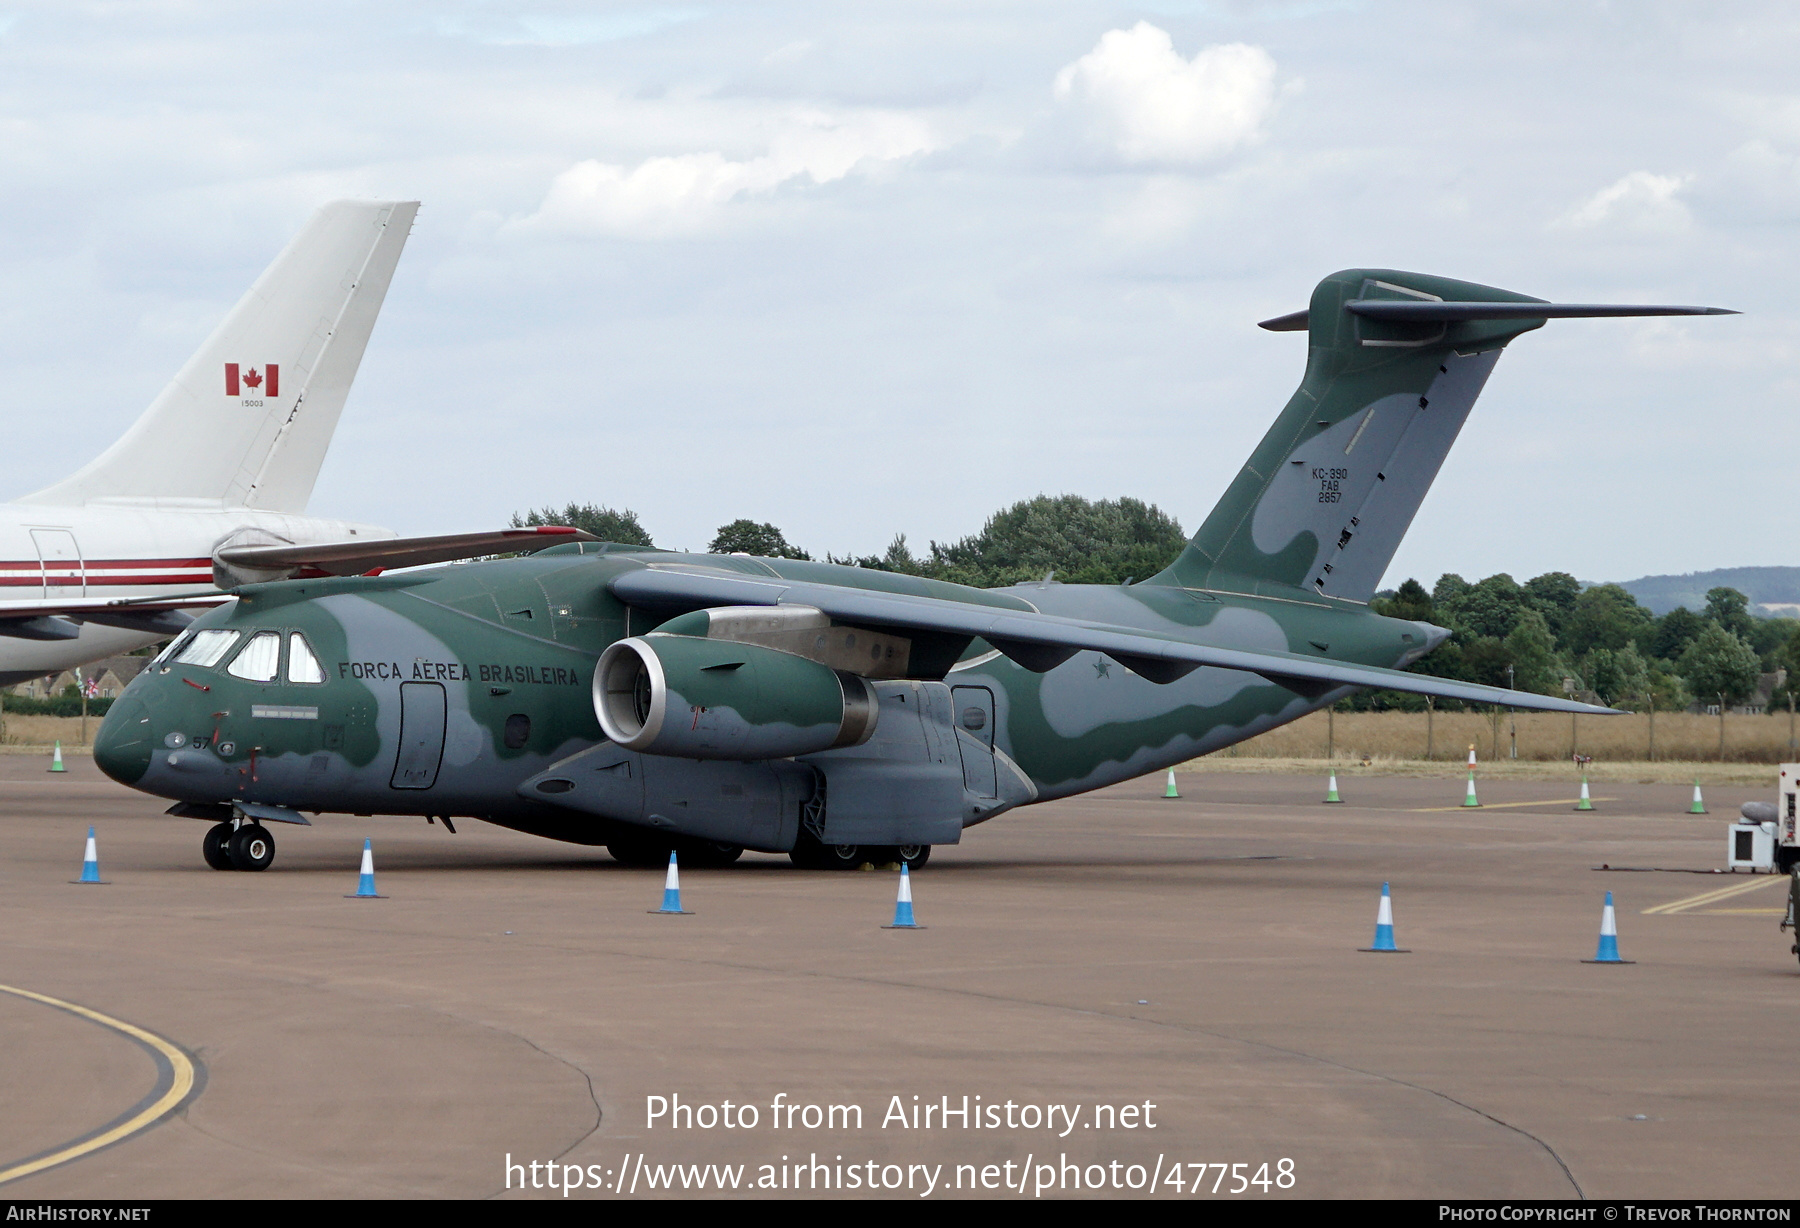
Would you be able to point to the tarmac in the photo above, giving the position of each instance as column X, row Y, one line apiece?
column 513, row 997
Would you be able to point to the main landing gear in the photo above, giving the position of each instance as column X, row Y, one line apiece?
column 246, row 847
column 809, row 854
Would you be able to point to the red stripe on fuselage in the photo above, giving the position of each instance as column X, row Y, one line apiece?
column 75, row 581
column 106, row 564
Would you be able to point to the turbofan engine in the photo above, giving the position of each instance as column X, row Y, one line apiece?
column 696, row 698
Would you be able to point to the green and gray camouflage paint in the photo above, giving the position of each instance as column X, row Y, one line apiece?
column 645, row 700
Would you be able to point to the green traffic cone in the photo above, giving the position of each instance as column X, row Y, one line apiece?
column 1331, row 793
column 1699, row 807
column 56, row 763
column 1171, row 790
column 1469, row 798
column 1586, row 803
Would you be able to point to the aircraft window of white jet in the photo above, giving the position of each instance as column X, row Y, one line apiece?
column 207, row 647
column 259, row 659
column 302, row 665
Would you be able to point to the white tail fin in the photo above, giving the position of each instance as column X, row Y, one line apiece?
column 247, row 421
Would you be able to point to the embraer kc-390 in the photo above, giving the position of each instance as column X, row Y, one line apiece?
column 649, row 701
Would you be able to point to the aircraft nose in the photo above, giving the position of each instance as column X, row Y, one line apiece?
column 123, row 747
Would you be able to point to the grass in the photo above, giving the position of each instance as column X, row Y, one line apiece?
column 1395, row 743
column 32, row 734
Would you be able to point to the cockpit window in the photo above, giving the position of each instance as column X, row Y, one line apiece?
column 207, row 648
column 302, row 665
column 168, row 651
column 259, row 659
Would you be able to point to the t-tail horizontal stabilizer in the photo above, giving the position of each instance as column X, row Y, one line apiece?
column 1443, row 312
column 1395, row 361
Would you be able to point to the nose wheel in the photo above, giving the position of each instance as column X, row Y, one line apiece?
column 249, row 847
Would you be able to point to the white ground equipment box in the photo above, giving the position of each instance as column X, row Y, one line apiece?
column 1750, row 845
column 1766, row 833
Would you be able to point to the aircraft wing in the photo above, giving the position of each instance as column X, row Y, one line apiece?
column 1042, row 641
column 58, row 618
column 360, row 557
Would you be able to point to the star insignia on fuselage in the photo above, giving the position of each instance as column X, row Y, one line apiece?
column 1102, row 667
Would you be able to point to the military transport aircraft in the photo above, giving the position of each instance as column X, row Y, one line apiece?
column 648, row 700
column 208, row 486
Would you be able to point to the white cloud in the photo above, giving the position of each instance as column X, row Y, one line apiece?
column 1640, row 202
column 1150, row 105
column 686, row 192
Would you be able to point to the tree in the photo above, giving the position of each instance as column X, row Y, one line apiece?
column 1674, row 632
column 1447, row 590
column 898, row 557
column 1105, row 541
column 1553, row 595
column 1605, row 616
column 1770, row 638
column 1409, row 601
column 1617, row 676
column 603, row 522
column 1536, row 667
column 1490, row 607
column 1730, row 609
column 1719, row 663
column 1631, row 677
column 762, row 540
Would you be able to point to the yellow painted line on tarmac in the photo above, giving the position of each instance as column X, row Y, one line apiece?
column 1713, row 897
column 1561, row 801
column 176, row 1080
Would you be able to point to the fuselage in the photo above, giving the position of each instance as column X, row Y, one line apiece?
column 124, row 550
column 449, row 691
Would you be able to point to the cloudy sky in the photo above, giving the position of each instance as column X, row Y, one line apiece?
column 877, row 268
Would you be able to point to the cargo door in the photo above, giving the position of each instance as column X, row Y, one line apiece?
column 973, row 707
column 422, row 708
column 60, row 559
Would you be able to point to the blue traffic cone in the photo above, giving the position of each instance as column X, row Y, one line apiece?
column 903, row 913
column 1608, row 950
column 1384, row 927
column 90, row 862
column 365, row 886
column 672, row 890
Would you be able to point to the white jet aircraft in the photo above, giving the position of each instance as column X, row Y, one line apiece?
column 206, row 489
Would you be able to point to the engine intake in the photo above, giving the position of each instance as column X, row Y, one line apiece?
column 695, row 698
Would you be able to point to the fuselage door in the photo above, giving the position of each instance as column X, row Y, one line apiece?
column 60, row 558
column 974, row 709
column 421, row 735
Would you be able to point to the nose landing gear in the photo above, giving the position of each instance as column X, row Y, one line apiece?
column 249, row 847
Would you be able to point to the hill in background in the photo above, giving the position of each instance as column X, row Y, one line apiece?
column 1776, row 589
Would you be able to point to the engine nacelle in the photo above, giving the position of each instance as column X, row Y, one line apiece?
column 695, row 698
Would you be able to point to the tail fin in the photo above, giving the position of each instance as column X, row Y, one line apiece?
column 248, row 420
column 1395, row 362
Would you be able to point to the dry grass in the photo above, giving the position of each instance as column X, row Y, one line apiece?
column 1542, row 736
column 31, row 734
column 1395, row 742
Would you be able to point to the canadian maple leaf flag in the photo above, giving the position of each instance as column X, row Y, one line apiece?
column 267, row 384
